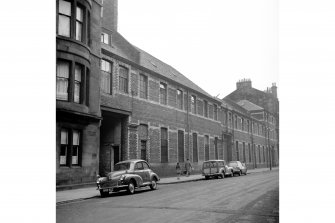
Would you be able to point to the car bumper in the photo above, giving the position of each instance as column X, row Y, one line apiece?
column 112, row 185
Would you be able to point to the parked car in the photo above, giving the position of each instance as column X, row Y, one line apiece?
column 238, row 167
column 128, row 175
column 216, row 168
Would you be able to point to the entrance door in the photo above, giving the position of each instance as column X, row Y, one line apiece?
column 116, row 154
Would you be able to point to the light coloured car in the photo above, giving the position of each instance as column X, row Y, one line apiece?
column 216, row 168
column 128, row 175
column 238, row 167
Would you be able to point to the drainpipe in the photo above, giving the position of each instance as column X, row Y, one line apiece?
column 188, row 125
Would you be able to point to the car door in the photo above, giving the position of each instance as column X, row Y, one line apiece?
column 138, row 170
column 146, row 170
column 214, row 167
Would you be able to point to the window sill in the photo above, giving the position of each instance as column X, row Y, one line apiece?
column 74, row 41
column 72, row 167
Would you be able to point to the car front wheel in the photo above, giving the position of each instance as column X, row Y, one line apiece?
column 153, row 185
column 131, row 188
column 103, row 193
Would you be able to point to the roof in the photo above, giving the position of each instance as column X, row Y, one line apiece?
column 152, row 63
column 126, row 50
column 249, row 105
column 235, row 106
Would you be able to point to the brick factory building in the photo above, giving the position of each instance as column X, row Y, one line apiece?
column 117, row 102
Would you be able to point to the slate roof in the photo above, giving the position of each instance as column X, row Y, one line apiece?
column 234, row 105
column 152, row 63
column 249, row 105
column 125, row 49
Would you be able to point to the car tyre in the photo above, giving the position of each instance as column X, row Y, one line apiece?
column 103, row 194
column 206, row 177
column 232, row 173
column 240, row 173
column 131, row 187
column 222, row 175
column 153, row 185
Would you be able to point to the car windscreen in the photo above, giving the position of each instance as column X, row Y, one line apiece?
column 232, row 164
column 209, row 164
column 121, row 166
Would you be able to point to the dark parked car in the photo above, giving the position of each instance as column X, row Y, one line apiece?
column 238, row 167
column 216, row 168
column 128, row 175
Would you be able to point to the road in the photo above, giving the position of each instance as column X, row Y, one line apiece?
column 250, row 198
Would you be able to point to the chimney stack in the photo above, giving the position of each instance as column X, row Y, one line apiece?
column 244, row 83
column 274, row 90
column 110, row 14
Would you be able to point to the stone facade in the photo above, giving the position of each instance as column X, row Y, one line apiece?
column 77, row 120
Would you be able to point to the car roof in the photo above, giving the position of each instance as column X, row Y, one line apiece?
column 132, row 161
column 212, row 161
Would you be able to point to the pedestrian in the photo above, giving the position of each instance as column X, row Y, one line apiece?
column 188, row 167
column 178, row 170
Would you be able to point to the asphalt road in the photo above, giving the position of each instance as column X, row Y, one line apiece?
column 250, row 198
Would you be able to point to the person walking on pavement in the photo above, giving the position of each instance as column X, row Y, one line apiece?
column 188, row 167
column 178, row 170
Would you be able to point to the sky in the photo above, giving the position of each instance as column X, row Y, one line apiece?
column 214, row 44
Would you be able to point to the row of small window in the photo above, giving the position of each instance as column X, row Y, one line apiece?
column 250, row 152
column 106, row 84
column 71, row 81
column 270, row 118
column 180, row 143
column 70, row 149
column 203, row 109
column 244, row 125
column 73, row 20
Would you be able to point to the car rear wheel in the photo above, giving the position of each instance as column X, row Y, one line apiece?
column 104, row 193
column 131, row 187
column 153, row 185
column 222, row 175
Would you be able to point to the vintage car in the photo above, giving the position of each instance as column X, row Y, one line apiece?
column 216, row 168
column 128, row 175
column 238, row 167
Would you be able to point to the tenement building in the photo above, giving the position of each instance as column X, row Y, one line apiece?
column 78, row 113
column 116, row 102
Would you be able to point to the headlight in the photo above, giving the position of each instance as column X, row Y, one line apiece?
column 122, row 177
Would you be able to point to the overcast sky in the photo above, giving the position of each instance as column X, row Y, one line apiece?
column 213, row 44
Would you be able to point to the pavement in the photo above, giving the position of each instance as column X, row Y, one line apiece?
column 66, row 196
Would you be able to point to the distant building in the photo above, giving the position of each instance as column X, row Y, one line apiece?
column 117, row 102
column 263, row 107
